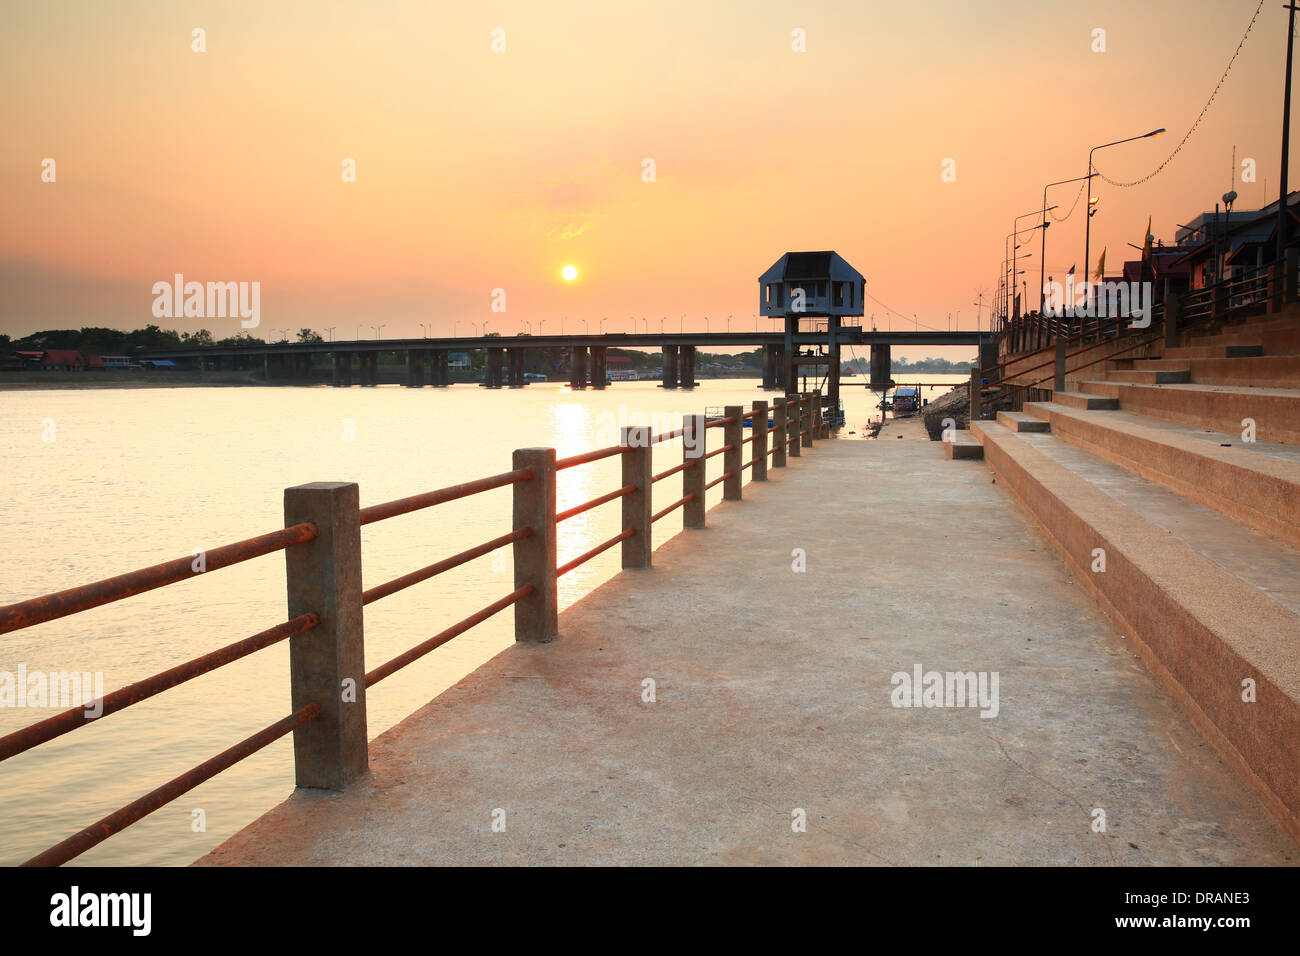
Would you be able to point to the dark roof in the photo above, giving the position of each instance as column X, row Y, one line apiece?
column 808, row 265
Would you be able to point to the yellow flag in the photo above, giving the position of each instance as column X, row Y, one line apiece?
column 1101, row 267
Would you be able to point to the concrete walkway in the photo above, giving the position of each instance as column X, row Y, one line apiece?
column 773, row 695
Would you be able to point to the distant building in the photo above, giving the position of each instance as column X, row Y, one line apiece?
column 812, row 283
column 66, row 360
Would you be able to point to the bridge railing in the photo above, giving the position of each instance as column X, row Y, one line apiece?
column 321, row 541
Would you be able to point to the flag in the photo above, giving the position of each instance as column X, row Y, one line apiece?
column 1146, row 243
column 1071, row 272
column 1100, row 274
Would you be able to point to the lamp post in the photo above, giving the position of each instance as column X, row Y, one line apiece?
column 424, row 330
column 1015, row 229
column 378, row 330
column 1087, row 228
column 330, row 330
column 1286, row 143
column 1042, row 270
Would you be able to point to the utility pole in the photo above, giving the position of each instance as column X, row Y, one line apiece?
column 1286, row 137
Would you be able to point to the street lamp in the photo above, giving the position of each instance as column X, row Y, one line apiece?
column 1087, row 228
column 424, row 330
column 378, row 329
column 1043, row 251
column 585, row 327
column 454, row 323
column 706, row 324
column 729, row 315
column 540, row 323
column 330, row 330
column 601, row 327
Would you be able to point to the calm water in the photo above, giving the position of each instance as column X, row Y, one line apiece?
column 134, row 477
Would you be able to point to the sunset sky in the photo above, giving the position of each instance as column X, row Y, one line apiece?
column 478, row 170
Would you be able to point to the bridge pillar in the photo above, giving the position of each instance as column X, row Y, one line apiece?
column 670, row 366
column 599, row 375
column 414, row 368
column 833, row 367
column 516, row 368
column 789, row 370
column 686, row 370
column 268, row 372
column 577, row 366
column 492, row 376
column 372, row 369
column 881, row 364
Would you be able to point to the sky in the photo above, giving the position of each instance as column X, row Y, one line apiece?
column 481, row 169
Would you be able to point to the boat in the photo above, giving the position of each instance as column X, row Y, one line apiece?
column 907, row 401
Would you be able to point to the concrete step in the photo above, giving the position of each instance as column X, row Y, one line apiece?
column 1246, row 333
column 963, row 445
column 1257, row 483
column 1020, row 422
column 1260, row 371
column 1163, row 376
column 1207, row 602
column 1082, row 400
column 1274, row 411
column 1280, row 342
column 1213, row 351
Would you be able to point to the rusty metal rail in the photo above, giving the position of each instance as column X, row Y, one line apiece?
column 718, row 480
column 588, row 555
column 664, row 512
column 24, row 739
column 672, row 471
column 115, row 822
column 428, row 499
column 442, row 637
column 49, row 607
column 446, row 564
column 594, row 503
column 589, row 456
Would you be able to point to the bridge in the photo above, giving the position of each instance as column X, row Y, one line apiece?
column 785, row 353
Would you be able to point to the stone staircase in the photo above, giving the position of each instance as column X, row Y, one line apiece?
column 1171, row 488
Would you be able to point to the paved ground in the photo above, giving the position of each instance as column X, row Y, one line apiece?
column 773, row 696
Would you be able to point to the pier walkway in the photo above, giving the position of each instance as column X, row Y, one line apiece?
column 772, row 695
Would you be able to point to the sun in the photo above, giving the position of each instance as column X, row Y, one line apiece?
column 570, row 273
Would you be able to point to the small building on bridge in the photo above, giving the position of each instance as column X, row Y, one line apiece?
column 806, row 285
column 811, row 283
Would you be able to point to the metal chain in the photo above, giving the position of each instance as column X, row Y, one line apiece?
column 1204, row 110
column 1082, row 187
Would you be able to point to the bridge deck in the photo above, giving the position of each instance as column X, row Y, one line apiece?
column 774, row 693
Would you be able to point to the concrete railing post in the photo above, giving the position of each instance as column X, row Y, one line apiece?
column 1058, row 379
column 1173, row 311
column 779, row 429
column 694, row 439
column 537, row 615
column 636, row 506
column 759, row 444
column 794, row 411
column 975, row 383
column 327, row 664
column 806, row 422
column 733, row 433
